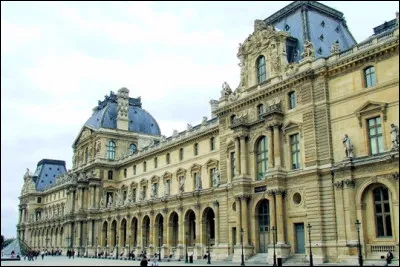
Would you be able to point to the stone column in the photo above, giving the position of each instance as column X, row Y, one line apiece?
column 279, row 217
column 277, row 145
column 90, row 197
column 181, row 230
column 237, row 157
column 238, row 219
column 340, row 217
column 229, row 168
column 94, row 204
column 245, row 218
column 270, row 148
column 243, row 155
column 272, row 209
column 139, row 232
column 216, row 221
column 151, row 231
column 73, row 199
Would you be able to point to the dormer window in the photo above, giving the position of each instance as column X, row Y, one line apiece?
column 319, row 50
column 323, row 24
column 260, row 110
column 132, row 148
column 321, row 37
column 337, row 29
column 287, row 27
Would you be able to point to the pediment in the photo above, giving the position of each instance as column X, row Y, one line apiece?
column 133, row 184
column 291, row 125
column 369, row 108
column 180, row 171
column 195, row 167
column 211, row 162
column 167, row 175
column 155, row 179
column 143, row 182
column 84, row 133
column 110, row 188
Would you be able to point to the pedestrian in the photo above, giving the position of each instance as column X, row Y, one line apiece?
column 42, row 253
column 155, row 262
column 73, row 253
column 143, row 262
column 389, row 257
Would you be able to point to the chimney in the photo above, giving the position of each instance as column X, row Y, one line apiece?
column 123, row 109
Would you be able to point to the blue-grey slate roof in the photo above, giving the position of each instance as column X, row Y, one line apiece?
column 46, row 172
column 309, row 20
column 140, row 121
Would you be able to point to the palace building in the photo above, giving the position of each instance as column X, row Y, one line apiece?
column 305, row 146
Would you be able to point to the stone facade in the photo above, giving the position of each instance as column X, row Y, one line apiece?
column 165, row 195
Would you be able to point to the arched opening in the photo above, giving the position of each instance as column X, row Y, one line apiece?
column 113, row 233
column 123, row 237
column 208, row 226
column 146, row 232
column 159, row 230
column 263, row 225
column 104, row 234
column 190, row 225
column 61, row 236
column 134, row 231
column 56, row 238
column 174, row 229
column 262, row 157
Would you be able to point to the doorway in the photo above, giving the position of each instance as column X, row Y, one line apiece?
column 300, row 240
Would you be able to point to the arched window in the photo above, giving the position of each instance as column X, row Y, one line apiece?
column 260, row 110
column 111, row 150
column 132, row 148
column 261, row 72
column 233, row 117
column 262, row 157
column 369, row 75
column 382, row 212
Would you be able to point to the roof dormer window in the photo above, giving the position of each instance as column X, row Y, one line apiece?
column 287, row 27
column 323, row 24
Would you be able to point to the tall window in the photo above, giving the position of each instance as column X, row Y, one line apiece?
column 382, row 212
column 262, row 157
column 132, row 148
column 144, row 166
column 260, row 110
column 134, row 194
column 125, row 173
column 370, row 79
column 155, row 163
column 375, row 135
column 295, row 151
column 212, row 171
column 125, row 194
column 134, row 169
column 212, row 143
column 86, row 155
column 233, row 164
column 233, row 117
column 261, row 72
column 292, row 100
column 167, row 158
column 181, row 153
column 110, row 175
column 196, row 149
column 111, row 150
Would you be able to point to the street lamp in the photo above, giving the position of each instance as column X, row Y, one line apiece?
column 117, row 247
column 106, row 248
column 241, row 241
column 79, row 246
column 187, row 239
column 96, row 249
column 360, row 259
column 159, row 247
column 209, row 253
column 309, row 239
column 129, row 247
column 87, row 244
column 273, row 229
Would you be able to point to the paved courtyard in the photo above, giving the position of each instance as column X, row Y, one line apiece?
column 64, row 261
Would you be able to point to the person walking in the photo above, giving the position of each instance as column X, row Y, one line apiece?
column 144, row 262
column 155, row 262
column 42, row 253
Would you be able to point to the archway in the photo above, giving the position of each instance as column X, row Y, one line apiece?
column 173, row 229
column 208, row 226
column 190, row 227
column 104, row 234
column 122, row 233
column 159, row 230
column 134, row 231
column 146, row 232
column 113, row 233
column 263, row 218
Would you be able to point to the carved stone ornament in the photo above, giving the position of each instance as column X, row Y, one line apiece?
column 308, row 51
column 335, row 48
column 291, row 69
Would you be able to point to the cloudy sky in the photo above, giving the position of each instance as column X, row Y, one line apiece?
column 59, row 58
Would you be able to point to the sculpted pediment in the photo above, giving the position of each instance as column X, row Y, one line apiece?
column 371, row 107
column 83, row 134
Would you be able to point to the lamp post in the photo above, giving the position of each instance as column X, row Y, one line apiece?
column 96, row 249
column 159, row 247
column 309, row 239
column 129, row 247
column 79, row 246
column 273, row 229
column 187, row 239
column 241, row 241
column 106, row 248
column 87, row 244
column 116, row 256
column 209, row 252
column 360, row 259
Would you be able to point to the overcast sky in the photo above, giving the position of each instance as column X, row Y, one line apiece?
column 59, row 58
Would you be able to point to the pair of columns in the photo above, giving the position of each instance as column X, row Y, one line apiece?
column 274, row 145
column 242, row 219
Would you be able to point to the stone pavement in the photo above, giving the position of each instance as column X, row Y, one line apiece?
column 64, row 261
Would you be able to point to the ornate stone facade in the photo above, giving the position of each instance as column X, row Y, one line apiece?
column 270, row 158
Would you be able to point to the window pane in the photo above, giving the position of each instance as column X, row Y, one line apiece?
column 372, row 132
column 373, row 146
column 378, row 208
column 379, row 225
column 388, row 225
column 385, row 193
column 380, row 144
column 371, row 122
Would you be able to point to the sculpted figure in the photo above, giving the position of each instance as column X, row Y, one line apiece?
column 189, row 127
column 110, row 201
column 198, row 181
column 335, row 48
column 204, row 120
column 182, row 184
column 216, row 178
column 308, row 50
column 348, row 146
column 142, row 194
column 226, row 89
column 153, row 190
column 394, row 133
column 102, row 204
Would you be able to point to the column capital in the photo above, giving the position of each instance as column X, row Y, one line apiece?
column 338, row 184
column 350, row 183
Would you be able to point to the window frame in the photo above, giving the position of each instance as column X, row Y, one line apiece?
column 260, row 110
column 132, row 151
column 196, row 149
column 111, row 150
column 155, row 162
column 292, row 100
column 212, row 143
column 264, row 160
column 134, row 169
column 232, row 159
column 379, row 148
column 110, row 175
column 168, row 158
column 181, row 153
column 383, row 212
column 369, row 77
column 144, row 166
column 297, row 152
column 261, row 69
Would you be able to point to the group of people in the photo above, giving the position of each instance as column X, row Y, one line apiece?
column 71, row 253
column 145, row 262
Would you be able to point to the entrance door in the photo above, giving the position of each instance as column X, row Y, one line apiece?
column 300, row 242
column 263, row 223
